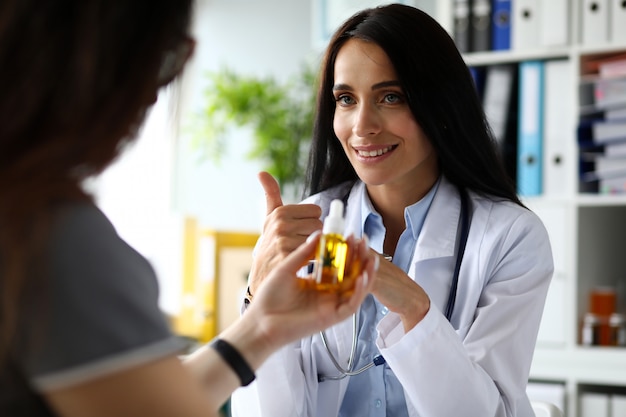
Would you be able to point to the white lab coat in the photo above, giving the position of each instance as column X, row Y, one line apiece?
column 477, row 365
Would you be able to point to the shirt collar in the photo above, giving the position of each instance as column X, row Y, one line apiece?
column 414, row 215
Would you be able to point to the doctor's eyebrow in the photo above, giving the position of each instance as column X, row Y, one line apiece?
column 376, row 86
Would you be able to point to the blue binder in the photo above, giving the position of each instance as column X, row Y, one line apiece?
column 501, row 25
column 478, row 74
column 530, row 129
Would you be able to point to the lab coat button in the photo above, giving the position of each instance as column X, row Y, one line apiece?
column 378, row 403
column 384, row 311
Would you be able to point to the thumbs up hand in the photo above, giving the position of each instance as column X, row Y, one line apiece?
column 285, row 228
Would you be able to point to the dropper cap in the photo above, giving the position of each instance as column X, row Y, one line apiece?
column 334, row 222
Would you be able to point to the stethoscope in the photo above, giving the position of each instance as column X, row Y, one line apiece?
column 464, row 220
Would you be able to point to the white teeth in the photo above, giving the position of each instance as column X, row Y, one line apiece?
column 374, row 153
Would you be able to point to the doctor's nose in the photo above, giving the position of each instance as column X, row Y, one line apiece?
column 366, row 122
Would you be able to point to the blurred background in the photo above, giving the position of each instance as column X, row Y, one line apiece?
column 197, row 217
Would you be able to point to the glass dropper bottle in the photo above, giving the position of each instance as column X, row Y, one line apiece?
column 330, row 265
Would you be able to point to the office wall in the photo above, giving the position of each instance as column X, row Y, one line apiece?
column 158, row 181
column 264, row 38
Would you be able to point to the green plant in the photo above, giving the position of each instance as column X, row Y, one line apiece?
column 281, row 116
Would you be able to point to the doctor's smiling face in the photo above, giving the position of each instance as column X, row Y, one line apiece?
column 374, row 123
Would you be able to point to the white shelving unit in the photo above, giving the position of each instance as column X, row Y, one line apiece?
column 588, row 235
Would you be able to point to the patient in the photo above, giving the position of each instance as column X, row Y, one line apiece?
column 81, row 333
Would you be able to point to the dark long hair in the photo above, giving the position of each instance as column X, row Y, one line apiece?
column 440, row 93
column 77, row 78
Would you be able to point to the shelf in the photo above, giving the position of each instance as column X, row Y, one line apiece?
column 597, row 49
column 512, row 56
column 587, row 231
column 580, row 200
column 504, row 57
column 592, row 200
column 608, row 365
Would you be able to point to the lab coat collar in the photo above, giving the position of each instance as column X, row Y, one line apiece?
column 438, row 235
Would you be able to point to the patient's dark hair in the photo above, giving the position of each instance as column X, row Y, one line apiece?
column 76, row 80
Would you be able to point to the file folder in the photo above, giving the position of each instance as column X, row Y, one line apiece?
column 554, row 23
column 559, row 130
column 608, row 131
column 525, row 24
column 615, row 150
column 616, row 185
column 607, row 165
column 551, row 392
column 500, row 105
column 501, row 25
column 479, row 76
column 461, row 21
column 594, row 404
column 595, row 22
column 618, row 401
column 480, row 25
column 610, row 92
column 618, row 22
column 530, row 129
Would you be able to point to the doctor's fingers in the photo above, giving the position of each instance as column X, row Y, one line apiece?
column 283, row 285
column 271, row 188
column 293, row 213
column 262, row 266
column 393, row 287
column 272, row 249
column 289, row 226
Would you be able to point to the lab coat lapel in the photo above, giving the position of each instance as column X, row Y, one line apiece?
column 438, row 236
column 432, row 266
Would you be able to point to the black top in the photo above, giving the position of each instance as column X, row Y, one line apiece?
column 94, row 313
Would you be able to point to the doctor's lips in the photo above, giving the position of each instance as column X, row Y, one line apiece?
column 372, row 152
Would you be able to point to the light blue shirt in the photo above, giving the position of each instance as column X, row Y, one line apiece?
column 377, row 392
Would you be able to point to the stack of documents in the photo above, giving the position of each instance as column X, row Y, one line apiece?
column 602, row 127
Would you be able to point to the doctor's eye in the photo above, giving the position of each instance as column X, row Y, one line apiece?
column 344, row 100
column 393, row 98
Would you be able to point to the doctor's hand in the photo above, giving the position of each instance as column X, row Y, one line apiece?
column 286, row 308
column 286, row 227
column 400, row 294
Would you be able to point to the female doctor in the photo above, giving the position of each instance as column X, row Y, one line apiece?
column 401, row 138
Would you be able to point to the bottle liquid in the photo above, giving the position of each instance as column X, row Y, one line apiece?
column 330, row 262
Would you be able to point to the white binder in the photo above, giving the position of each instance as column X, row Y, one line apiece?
column 594, row 404
column 547, row 392
column 618, row 405
column 595, row 22
column 618, row 21
column 554, row 23
column 559, row 128
column 525, row 24
column 497, row 96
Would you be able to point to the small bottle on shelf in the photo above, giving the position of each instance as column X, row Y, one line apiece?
column 617, row 329
column 602, row 303
column 590, row 333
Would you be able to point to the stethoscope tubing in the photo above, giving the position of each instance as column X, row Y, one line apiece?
column 464, row 218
